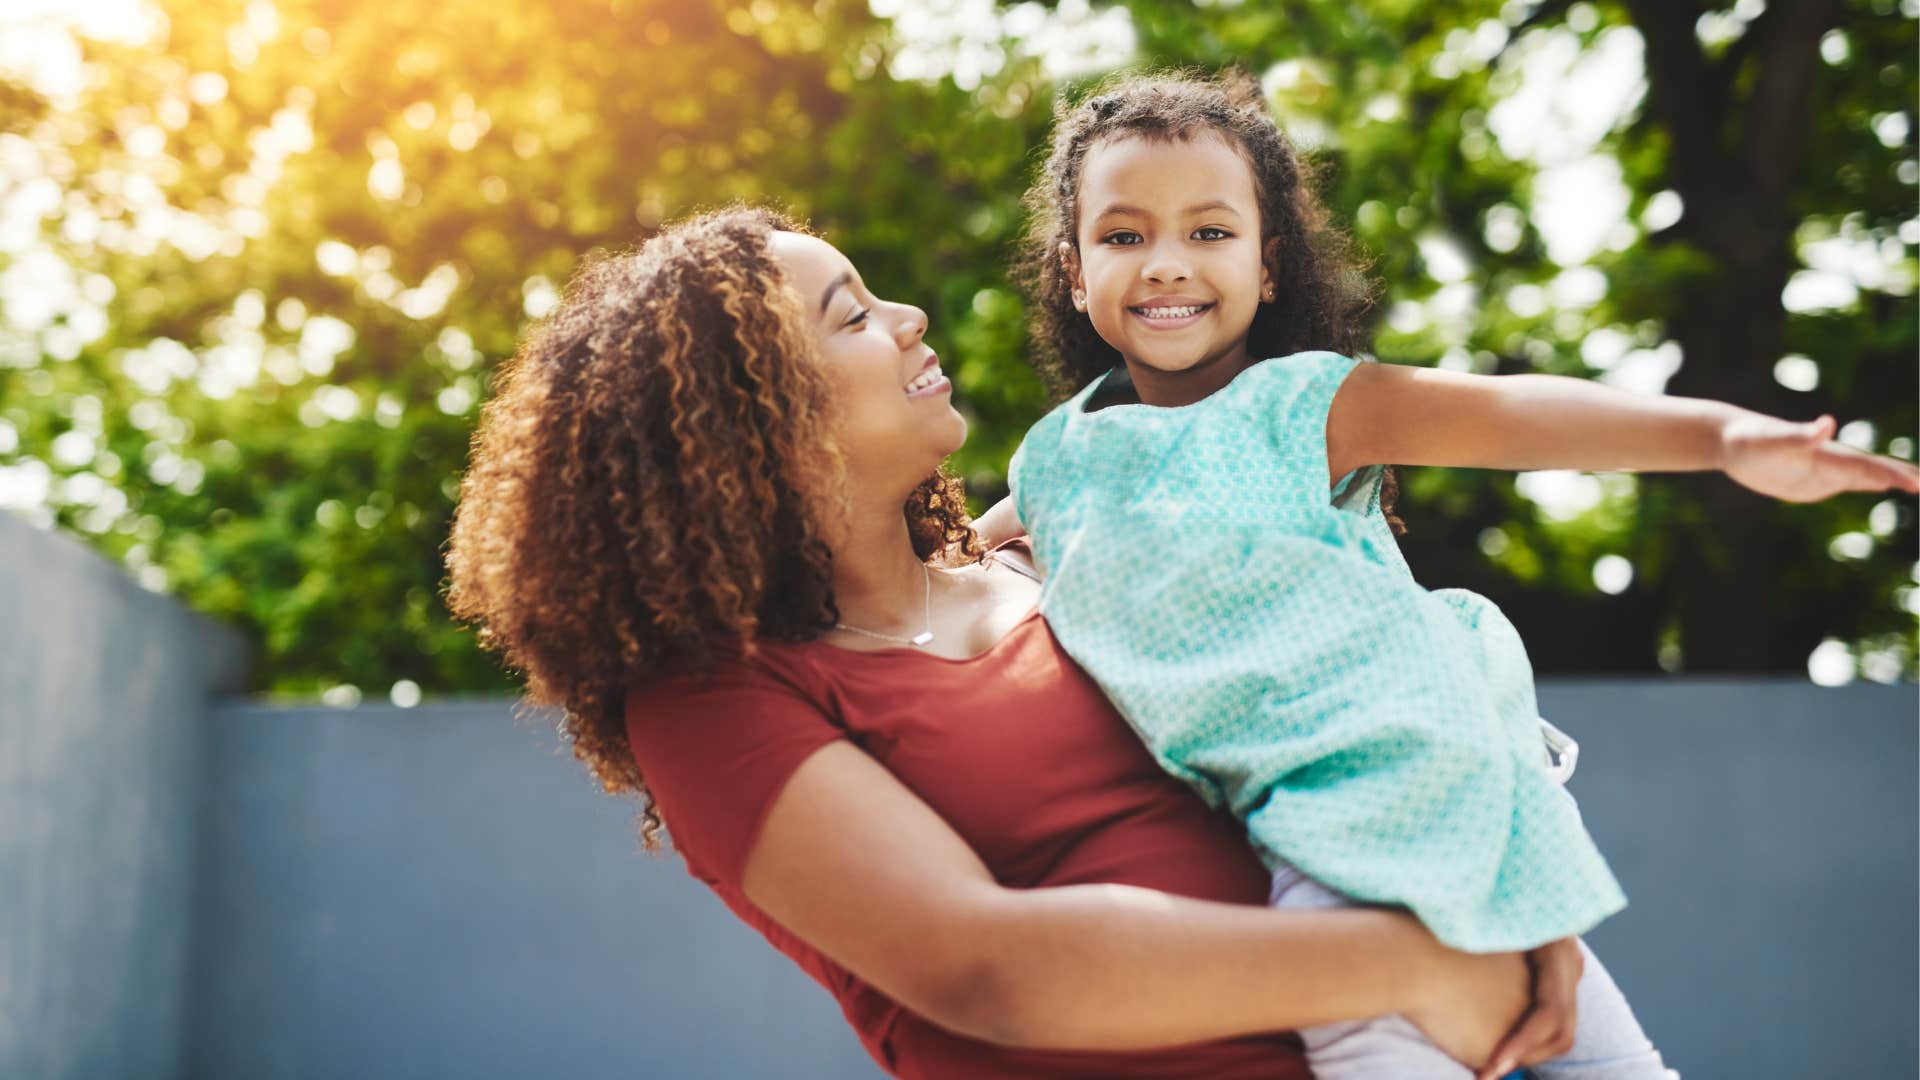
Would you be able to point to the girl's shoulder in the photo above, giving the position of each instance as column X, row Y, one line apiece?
column 1280, row 405
column 1306, row 377
column 1297, row 389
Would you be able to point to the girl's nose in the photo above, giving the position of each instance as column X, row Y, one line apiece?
column 1162, row 268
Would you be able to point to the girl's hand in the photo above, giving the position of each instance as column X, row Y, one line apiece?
column 1548, row 1028
column 1802, row 463
column 1478, row 1001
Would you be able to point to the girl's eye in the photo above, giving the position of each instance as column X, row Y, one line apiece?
column 859, row 316
column 1218, row 233
column 1122, row 239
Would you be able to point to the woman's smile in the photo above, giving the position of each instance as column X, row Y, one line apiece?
column 930, row 381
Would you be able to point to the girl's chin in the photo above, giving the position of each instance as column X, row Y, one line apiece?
column 1169, row 365
column 1179, row 361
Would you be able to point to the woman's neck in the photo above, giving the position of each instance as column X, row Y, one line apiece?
column 878, row 581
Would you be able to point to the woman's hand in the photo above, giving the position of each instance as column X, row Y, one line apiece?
column 1477, row 1003
column 1802, row 463
column 1548, row 1028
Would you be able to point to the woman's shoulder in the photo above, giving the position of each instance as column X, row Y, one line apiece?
column 717, row 742
column 767, row 668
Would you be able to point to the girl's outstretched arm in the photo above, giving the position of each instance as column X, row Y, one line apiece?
column 1389, row 414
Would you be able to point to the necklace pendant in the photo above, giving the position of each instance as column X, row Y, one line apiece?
column 923, row 637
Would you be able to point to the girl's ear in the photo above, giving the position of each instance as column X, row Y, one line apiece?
column 1269, row 255
column 1070, row 265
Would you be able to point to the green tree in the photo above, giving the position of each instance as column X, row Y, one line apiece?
column 255, row 269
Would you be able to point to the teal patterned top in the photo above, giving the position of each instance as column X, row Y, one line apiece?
column 1268, row 643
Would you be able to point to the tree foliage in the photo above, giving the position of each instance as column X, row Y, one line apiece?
column 256, row 267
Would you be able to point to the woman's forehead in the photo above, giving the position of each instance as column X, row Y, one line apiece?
column 809, row 261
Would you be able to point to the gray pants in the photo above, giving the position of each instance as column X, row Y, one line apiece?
column 1609, row 1044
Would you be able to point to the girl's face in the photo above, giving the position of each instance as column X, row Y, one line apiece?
column 1169, row 264
column 893, row 405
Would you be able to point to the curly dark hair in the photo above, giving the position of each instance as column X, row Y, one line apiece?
column 1322, row 294
column 648, row 481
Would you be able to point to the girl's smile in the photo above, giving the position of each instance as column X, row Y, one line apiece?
column 1170, row 312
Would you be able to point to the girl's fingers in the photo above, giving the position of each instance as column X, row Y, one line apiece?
column 1901, row 474
column 1875, row 473
column 1861, row 471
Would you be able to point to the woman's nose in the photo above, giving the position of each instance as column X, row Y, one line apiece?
column 911, row 327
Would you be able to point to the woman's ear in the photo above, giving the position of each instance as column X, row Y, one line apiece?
column 1269, row 257
column 1070, row 265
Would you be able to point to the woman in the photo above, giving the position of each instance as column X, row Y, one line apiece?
column 700, row 517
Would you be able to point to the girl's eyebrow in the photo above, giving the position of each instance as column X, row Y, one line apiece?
column 845, row 279
column 1210, row 204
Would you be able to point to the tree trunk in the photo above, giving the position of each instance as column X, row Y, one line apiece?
column 1733, row 161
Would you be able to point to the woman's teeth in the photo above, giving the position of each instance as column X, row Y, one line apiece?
column 1172, row 312
column 925, row 380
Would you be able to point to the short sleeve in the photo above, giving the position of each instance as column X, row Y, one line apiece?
column 1302, row 400
column 715, row 751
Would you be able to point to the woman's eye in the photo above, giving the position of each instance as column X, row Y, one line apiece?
column 1218, row 234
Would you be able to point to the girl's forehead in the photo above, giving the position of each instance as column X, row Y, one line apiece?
column 1170, row 169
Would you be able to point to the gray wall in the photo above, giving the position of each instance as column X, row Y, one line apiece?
column 1766, row 834
column 433, row 892
column 437, row 892
column 103, row 687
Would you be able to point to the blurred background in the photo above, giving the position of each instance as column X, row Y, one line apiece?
column 258, row 259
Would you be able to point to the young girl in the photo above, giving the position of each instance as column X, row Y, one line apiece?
column 1208, row 511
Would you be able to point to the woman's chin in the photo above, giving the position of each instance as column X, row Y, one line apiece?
column 957, row 435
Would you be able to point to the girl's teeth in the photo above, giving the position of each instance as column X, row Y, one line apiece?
column 1170, row 312
column 924, row 381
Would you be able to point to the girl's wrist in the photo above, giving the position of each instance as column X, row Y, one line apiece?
column 1723, row 421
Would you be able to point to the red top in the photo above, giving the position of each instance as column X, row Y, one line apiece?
column 1016, row 749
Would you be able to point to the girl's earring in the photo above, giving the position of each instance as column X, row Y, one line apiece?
column 1079, row 302
column 1267, row 295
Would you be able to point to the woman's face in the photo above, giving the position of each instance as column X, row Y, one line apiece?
column 894, row 410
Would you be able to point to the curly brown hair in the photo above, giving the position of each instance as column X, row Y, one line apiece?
column 648, row 482
column 1322, row 294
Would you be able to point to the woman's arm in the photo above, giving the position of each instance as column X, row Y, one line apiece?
column 859, row 867
column 1396, row 415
